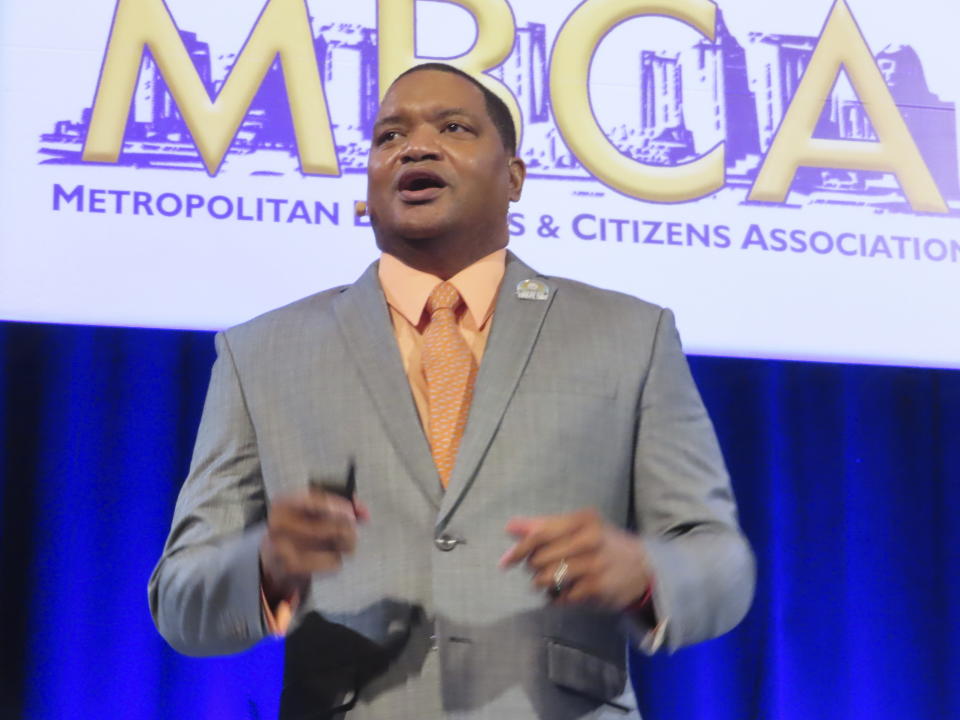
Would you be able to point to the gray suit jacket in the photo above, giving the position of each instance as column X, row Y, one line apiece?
column 582, row 399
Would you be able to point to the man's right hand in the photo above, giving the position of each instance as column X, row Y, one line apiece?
column 306, row 534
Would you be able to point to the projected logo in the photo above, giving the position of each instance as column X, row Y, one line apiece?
column 815, row 119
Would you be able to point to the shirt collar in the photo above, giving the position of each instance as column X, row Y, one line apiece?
column 407, row 289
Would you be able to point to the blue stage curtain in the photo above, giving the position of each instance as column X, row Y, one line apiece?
column 847, row 479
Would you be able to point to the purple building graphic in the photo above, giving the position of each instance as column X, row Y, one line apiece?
column 780, row 61
column 931, row 122
column 777, row 65
column 663, row 138
column 155, row 111
column 717, row 71
column 525, row 73
column 689, row 101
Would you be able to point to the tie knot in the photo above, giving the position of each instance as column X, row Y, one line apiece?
column 443, row 297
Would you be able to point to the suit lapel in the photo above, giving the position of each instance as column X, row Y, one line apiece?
column 364, row 321
column 516, row 325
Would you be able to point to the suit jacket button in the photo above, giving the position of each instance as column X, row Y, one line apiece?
column 445, row 542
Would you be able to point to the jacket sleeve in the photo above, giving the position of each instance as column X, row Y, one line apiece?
column 205, row 590
column 686, row 514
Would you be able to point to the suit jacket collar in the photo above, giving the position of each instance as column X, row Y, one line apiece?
column 364, row 320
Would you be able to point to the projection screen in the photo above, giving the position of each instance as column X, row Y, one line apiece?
column 783, row 175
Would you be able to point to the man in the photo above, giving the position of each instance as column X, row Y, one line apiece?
column 518, row 469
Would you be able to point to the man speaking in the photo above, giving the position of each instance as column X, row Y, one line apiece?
column 456, row 485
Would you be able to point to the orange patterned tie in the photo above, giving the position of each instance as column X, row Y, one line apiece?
column 450, row 370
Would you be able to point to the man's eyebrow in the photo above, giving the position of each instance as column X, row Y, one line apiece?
column 447, row 112
column 399, row 119
column 439, row 114
column 389, row 120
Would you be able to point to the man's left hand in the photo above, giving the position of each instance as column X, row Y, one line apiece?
column 606, row 567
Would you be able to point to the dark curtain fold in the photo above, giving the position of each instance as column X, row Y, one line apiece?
column 847, row 479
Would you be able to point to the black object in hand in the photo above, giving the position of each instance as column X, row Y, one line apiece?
column 345, row 490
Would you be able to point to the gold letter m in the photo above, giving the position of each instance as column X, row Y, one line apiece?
column 283, row 28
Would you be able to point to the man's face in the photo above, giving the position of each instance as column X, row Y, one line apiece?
column 438, row 168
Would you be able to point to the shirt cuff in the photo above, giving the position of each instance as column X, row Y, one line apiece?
column 278, row 619
column 652, row 639
column 637, row 619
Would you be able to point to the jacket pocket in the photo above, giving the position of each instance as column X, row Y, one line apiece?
column 583, row 673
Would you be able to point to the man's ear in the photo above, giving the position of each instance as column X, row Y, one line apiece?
column 518, row 173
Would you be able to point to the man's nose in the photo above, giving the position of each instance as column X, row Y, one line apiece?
column 423, row 143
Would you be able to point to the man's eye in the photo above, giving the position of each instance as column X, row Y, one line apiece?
column 387, row 136
column 454, row 127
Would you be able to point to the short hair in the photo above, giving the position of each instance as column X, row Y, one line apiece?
column 497, row 109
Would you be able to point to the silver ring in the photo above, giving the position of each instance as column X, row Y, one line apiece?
column 559, row 575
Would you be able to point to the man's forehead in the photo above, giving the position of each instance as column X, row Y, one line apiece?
column 432, row 91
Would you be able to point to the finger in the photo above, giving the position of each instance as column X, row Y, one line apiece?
column 592, row 592
column 361, row 509
column 582, row 541
column 340, row 537
column 311, row 505
column 304, row 532
column 307, row 515
column 294, row 559
column 581, row 586
column 284, row 562
column 523, row 525
column 577, row 570
column 317, row 561
column 595, row 589
column 529, row 544
column 578, row 592
column 319, row 503
column 548, row 530
column 520, row 526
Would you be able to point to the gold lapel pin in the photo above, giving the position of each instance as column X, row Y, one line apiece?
column 532, row 289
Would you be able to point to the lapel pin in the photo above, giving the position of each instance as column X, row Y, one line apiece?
column 531, row 289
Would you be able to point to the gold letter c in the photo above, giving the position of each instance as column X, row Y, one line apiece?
column 570, row 95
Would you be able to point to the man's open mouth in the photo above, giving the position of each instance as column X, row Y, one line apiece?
column 417, row 186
